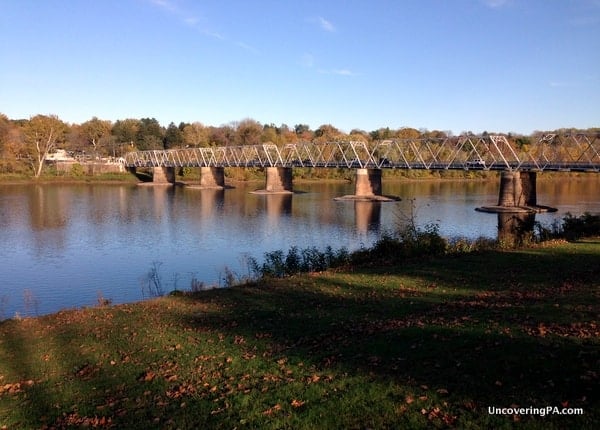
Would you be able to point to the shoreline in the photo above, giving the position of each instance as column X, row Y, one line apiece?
column 125, row 179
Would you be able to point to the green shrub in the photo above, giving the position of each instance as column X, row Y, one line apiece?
column 77, row 170
column 585, row 225
column 278, row 264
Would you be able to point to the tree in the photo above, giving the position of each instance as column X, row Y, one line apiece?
column 327, row 133
column 289, row 135
column 173, row 137
column 357, row 134
column 435, row 134
column 270, row 134
column 95, row 131
column 248, row 132
column 195, row 134
column 126, row 131
column 4, row 129
column 10, row 144
column 42, row 133
column 222, row 136
column 301, row 128
column 150, row 134
column 381, row 134
column 408, row 133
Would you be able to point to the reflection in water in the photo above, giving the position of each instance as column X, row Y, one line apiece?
column 65, row 245
column 277, row 205
column 211, row 200
column 367, row 216
column 48, row 215
column 514, row 228
column 47, row 207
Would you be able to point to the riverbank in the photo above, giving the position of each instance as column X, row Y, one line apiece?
column 106, row 178
column 435, row 342
column 302, row 178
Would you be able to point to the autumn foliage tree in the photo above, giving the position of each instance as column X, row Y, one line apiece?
column 95, row 131
column 42, row 133
column 195, row 134
column 5, row 153
column 248, row 132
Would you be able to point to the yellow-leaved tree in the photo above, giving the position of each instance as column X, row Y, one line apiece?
column 42, row 134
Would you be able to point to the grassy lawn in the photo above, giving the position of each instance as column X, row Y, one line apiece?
column 430, row 343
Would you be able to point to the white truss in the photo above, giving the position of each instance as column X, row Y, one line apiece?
column 579, row 152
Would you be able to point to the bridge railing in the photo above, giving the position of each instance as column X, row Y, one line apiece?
column 488, row 152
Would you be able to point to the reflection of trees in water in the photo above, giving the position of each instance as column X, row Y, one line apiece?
column 515, row 228
column 3, row 306
column 48, row 207
column 31, row 303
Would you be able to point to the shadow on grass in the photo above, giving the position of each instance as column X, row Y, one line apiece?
column 523, row 333
column 385, row 346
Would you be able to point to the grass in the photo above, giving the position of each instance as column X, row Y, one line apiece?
column 426, row 343
column 6, row 178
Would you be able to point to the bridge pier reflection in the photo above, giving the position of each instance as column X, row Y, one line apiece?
column 278, row 205
column 210, row 200
column 517, row 194
column 515, row 228
column 367, row 216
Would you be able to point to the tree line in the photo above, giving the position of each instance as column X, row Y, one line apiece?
column 25, row 143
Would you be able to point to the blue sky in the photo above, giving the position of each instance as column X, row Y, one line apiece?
column 458, row 65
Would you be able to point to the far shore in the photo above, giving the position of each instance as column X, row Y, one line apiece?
column 126, row 178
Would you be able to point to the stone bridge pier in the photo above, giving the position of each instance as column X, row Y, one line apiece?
column 163, row 175
column 367, row 187
column 278, row 181
column 517, row 193
column 212, row 178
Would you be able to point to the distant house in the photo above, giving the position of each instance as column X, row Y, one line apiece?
column 65, row 162
column 59, row 155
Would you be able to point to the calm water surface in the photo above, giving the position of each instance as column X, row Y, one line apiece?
column 64, row 246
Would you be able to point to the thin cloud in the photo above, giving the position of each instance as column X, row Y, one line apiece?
column 188, row 19
column 325, row 24
column 191, row 21
column 165, row 4
column 173, row 9
column 561, row 84
column 213, row 34
column 339, row 72
column 495, row 4
column 307, row 60
column 247, row 47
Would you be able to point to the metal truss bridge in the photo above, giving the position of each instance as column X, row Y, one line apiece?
column 549, row 152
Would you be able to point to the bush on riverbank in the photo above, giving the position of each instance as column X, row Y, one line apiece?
column 409, row 242
column 576, row 227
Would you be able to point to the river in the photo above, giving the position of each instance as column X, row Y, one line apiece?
column 73, row 245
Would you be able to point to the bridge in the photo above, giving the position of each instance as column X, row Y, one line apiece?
column 519, row 163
